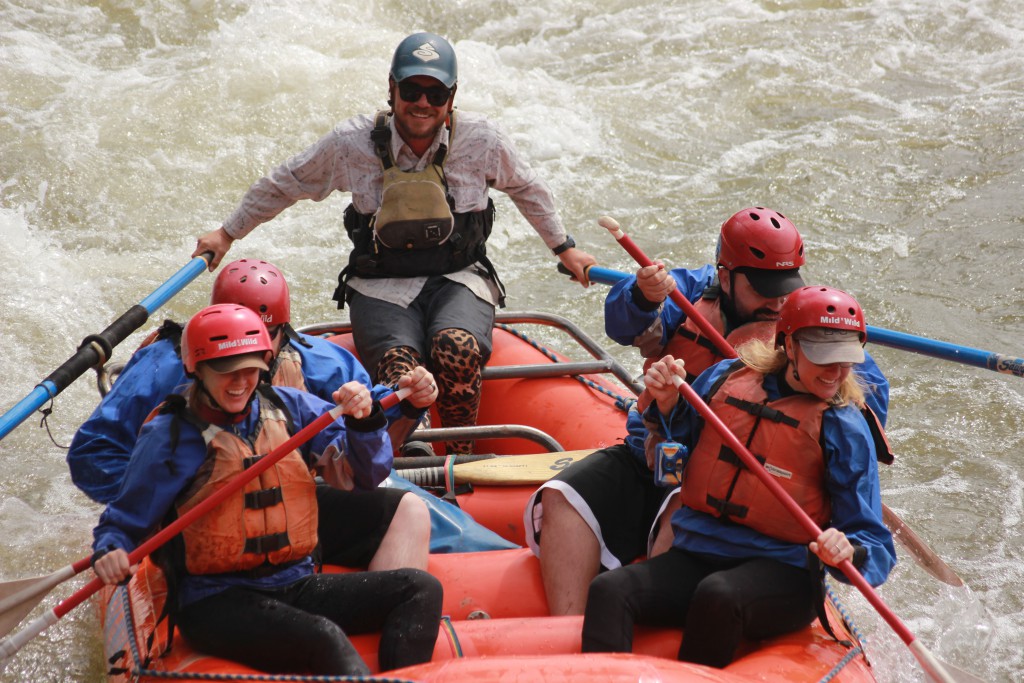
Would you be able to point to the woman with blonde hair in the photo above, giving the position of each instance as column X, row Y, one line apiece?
column 740, row 565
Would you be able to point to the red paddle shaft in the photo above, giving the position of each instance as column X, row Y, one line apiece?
column 612, row 226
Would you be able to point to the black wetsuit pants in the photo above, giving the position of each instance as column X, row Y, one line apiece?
column 717, row 601
column 302, row 628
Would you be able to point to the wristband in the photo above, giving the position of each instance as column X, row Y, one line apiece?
column 568, row 244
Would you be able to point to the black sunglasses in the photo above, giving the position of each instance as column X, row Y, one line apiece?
column 437, row 95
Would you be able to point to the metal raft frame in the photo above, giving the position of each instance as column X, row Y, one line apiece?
column 602, row 363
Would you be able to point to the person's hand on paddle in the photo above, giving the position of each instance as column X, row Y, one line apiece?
column 577, row 261
column 113, row 567
column 354, row 399
column 832, row 546
column 422, row 385
column 655, row 282
column 660, row 386
column 218, row 242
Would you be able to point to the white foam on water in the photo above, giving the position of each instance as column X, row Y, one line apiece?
column 890, row 131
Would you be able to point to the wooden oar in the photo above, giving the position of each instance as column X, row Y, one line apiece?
column 11, row 644
column 517, row 470
column 95, row 350
column 937, row 670
column 987, row 360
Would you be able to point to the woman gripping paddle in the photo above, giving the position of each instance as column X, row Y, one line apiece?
column 739, row 566
column 242, row 577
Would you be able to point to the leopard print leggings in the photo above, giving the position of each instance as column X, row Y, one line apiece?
column 457, row 364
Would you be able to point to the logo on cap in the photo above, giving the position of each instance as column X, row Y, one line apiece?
column 839, row 320
column 426, row 53
column 234, row 343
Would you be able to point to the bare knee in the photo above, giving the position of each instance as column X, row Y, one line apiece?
column 559, row 515
column 570, row 554
column 406, row 544
column 412, row 516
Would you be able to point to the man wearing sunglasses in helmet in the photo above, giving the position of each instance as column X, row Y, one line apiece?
column 589, row 524
column 419, row 220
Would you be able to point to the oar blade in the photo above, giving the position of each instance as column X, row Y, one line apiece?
column 961, row 676
column 918, row 549
column 517, row 470
column 14, row 613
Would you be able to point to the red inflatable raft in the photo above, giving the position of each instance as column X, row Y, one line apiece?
column 497, row 625
column 495, row 628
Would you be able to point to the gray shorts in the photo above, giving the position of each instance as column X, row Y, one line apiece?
column 378, row 325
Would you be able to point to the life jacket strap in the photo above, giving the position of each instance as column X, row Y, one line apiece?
column 698, row 339
column 762, row 411
column 727, row 509
column 265, row 498
column 262, row 545
column 728, row 455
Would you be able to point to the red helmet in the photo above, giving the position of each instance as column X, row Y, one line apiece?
column 820, row 307
column 257, row 285
column 759, row 238
column 222, row 331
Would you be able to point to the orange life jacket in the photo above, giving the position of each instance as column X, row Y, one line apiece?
column 272, row 520
column 697, row 351
column 784, row 434
column 287, row 369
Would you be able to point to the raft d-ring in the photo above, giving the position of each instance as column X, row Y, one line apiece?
column 106, row 375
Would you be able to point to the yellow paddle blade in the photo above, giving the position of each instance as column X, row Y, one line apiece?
column 517, row 470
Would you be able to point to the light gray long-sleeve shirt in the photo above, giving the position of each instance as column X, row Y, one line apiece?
column 480, row 157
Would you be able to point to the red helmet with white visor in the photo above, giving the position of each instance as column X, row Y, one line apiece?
column 228, row 337
column 827, row 323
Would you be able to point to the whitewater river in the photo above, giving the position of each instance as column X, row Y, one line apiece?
column 890, row 131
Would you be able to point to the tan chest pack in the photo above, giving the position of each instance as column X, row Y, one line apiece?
column 415, row 212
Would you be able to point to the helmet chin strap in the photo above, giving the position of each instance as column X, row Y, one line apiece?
column 792, row 362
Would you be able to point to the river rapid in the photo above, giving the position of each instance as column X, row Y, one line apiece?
column 890, row 131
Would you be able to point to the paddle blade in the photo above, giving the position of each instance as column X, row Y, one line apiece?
column 20, row 597
column 517, row 470
column 918, row 549
column 961, row 676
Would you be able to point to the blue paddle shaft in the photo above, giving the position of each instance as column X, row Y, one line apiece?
column 883, row 337
column 96, row 349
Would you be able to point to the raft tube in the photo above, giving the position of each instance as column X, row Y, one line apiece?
column 496, row 627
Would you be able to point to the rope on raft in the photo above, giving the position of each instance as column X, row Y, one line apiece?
column 855, row 651
column 623, row 403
